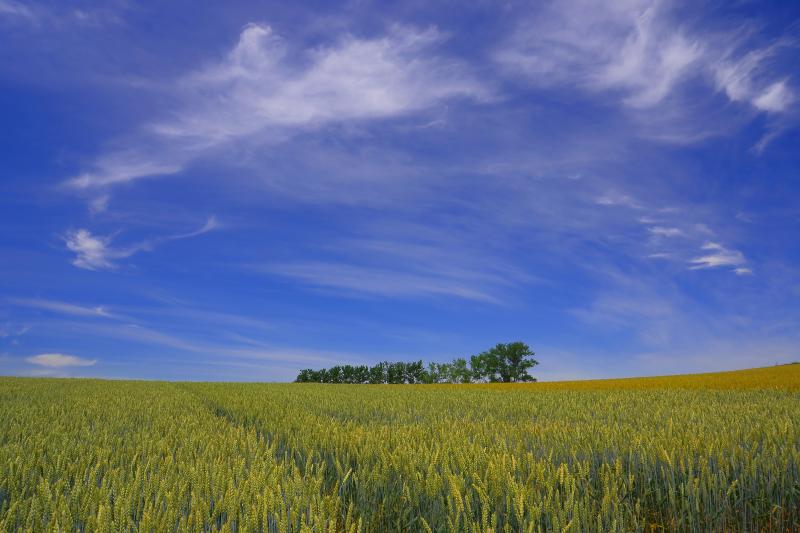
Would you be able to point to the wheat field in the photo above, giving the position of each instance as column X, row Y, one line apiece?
column 704, row 452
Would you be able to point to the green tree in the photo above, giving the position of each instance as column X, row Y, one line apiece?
column 442, row 372
column 361, row 374
column 484, row 367
column 377, row 373
column 334, row 374
column 431, row 374
column 505, row 363
column 396, row 373
column 459, row 371
column 415, row 372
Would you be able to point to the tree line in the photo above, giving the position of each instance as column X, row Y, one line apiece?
column 504, row 363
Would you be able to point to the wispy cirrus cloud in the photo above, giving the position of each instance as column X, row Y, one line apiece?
column 96, row 252
column 643, row 54
column 196, row 343
column 661, row 231
column 412, row 261
column 776, row 98
column 17, row 10
column 674, row 237
column 614, row 198
column 717, row 256
column 257, row 91
column 59, row 16
column 623, row 46
column 92, row 252
column 378, row 281
column 59, row 360
column 746, row 78
column 63, row 307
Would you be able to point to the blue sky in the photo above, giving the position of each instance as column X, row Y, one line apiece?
column 236, row 191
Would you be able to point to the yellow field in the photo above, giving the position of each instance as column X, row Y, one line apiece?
column 712, row 452
column 783, row 377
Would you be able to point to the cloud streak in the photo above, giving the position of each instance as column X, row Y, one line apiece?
column 95, row 252
column 216, row 351
column 746, row 79
column 59, row 360
column 63, row 307
column 661, row 231
column 256, row 91
column 718, row 256
column 377, row 281
column 17, row 10
column 643, row 55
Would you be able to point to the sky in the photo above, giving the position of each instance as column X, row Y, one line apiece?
column 239, row 190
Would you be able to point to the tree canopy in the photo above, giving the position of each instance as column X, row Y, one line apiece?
column 507, row 363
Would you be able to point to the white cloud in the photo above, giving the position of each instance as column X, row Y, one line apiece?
column 745, row 79
column 256, row 91
column 775, row 98
column 603, row 46
column 640, row 50
column 211, row 224
column 58, row 15
column 612, row 198
column 92, row 252
column 59, row 360
column 355, row 79
column 63, row 307
column 96, row 253
column 649, row 64
column 118, row 167
column 378, row 281
column 449, row 259
column 11, row 8
column 719, row 256
column 217, row 353
column 735, row 76
column 661, row 231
